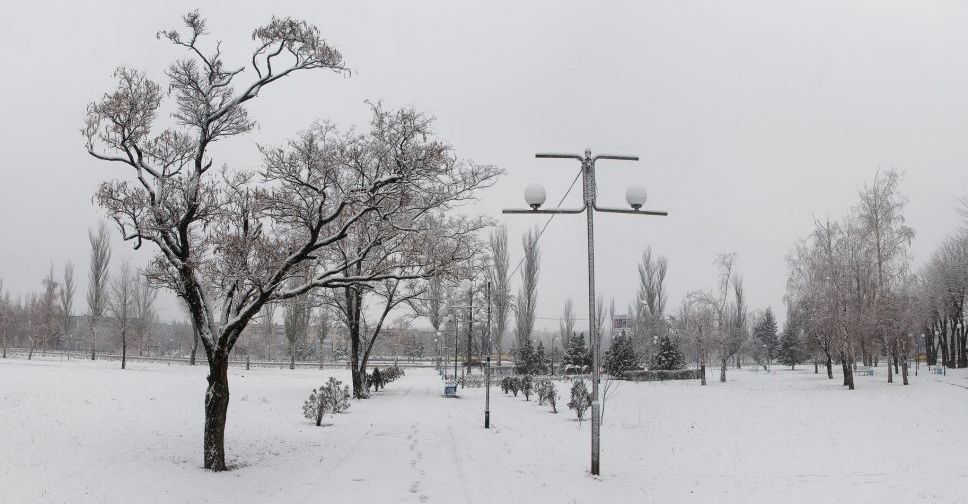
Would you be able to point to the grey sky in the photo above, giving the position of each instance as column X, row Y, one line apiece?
column 751, row 117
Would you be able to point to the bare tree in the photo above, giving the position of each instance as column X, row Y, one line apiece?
column 267, row 314
column 697, row 319
column 881, row 214
column 566, row 326
column 650, row 303
column 49, row 309
column 527, row 299
column 499, row 274
column 296, row 317
column 67, row 291
column 144, row 312
column 228, row 246
column 121, row 304
column 5, row 314
column 97, row 278
column 323, row 325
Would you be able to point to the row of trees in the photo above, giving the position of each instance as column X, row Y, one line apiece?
column 46, row 320
column 851, row 291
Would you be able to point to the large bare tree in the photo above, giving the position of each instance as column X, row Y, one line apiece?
column 230, row 241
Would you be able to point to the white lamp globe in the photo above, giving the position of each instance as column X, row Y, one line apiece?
column 636, row 196
column 535, row 195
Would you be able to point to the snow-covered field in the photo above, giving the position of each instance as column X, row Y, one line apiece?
column 77, row 431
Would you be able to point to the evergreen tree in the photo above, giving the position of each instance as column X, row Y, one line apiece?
column 668, row 357
column 791, row 349
column 576, row 354
column 764, row 333
column 525, row 357
column 538, row 365
column 620, row 357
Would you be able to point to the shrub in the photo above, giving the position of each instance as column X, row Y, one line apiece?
column 547, row 392
column 581, row 399
column 333, row 397
column 527, row 386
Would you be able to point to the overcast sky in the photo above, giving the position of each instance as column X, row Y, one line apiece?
column 751, row 118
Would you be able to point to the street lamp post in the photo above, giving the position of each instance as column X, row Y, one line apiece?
column 469, row 287
column 944, row 363
column 487, row 368
column 958, row 339
column 636, row 196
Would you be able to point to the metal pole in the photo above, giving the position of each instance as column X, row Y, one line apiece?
column 470, row 325
column 455, row 345
column 588, row 186
column 487, row 370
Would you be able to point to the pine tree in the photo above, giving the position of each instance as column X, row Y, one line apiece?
column 620, row 357
column 525, row 357
column 576, row 354
column 764, row 333
column 791, row 349
column 668, row 357
column 538, row 365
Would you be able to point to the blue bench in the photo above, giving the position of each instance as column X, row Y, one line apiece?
column 937, row 370
column 865, row 371
column 450, row 390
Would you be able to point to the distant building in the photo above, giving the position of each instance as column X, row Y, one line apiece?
column 620, row 324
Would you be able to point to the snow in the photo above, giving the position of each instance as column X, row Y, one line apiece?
column 80, row 431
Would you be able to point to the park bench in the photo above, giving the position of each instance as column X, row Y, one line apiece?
column 865, row 371
column 937, row 370
column 450, row 390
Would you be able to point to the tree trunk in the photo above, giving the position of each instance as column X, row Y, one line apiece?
column 904, row 371
column 93, row 325
column 702, row 373
column 895, row 361
column 292, row 356
column 216, row 408
column 816, row 367
column 191, row 362
column 247, row 362
column 848, row 375
column 359, row 382
column 124, row 348
column 722, row 371
column 890, row 375
column 830, row 368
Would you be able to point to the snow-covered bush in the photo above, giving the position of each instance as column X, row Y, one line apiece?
column 392, row 373
column 547, row 392
column 511, row 384
column 527, row 386
column 581, row 399
column 333, row 397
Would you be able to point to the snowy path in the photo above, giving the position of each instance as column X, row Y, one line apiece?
column 88, row 432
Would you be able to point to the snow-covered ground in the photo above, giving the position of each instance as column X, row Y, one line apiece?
column 77, row 431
